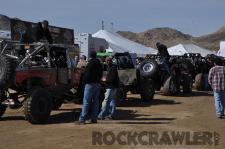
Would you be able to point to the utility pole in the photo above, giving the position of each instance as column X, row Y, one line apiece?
column 112, row 27
column 102, row 25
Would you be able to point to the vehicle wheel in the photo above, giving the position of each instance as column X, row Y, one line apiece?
column 170, row 86
column 148, row 68
column 7, row 71
column 37, row 107
column 199, row 82
column 2, row 109
column 147, row 90
column 187, row 83
column 56, row 103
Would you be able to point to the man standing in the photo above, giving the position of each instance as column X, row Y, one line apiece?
column 92, row 77
column 217, row 81
column 82, row 62
column 111, row 84
column 164, row 56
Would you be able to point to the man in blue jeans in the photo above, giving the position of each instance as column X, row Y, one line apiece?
column 111, row 84
column 217, row 81
column 92, row 77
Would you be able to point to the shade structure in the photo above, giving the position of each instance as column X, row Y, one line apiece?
column 118, row 43
column 221, row 51
column 181, row 49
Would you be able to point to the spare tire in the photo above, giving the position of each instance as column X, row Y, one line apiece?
column 171, row 86
column 199, row 82
column 148, row 68
column 7, row 71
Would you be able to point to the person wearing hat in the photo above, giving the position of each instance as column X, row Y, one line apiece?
column 164, row 55
column 111, row 84
column 82, row 62
column 91, row 79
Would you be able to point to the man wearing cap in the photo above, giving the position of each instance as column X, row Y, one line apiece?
column 92, row 77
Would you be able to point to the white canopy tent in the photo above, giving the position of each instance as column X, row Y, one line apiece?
column 221, row 51
column 181, row 49
column 118, row 43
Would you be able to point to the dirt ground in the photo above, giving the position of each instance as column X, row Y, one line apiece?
column 190, row 113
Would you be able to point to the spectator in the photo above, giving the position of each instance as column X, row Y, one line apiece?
column 112, row 84
column 75, row 61
column 164, row 56
column 82, row 62
column 92, row 77
column 217, row 81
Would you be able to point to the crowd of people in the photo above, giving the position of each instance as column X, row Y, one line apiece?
column 92, row 78
column 213, row 75
column 93, row 75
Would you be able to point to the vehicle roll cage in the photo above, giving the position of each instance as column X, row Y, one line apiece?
column 36, row 47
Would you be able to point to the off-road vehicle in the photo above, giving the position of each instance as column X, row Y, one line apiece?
column 130, row 78
column 181, row 74
column 36, row 75
column 39, row 79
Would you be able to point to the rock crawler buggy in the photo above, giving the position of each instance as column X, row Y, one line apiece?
column 36, row 76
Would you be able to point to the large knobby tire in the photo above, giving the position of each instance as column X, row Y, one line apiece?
column 170, row 87
column 38, row 106
column 148, row 68
column 56, row 103
column 2, row 109
column 187, row 83
column 147, row 89
column 199, row 82
column 7, row 71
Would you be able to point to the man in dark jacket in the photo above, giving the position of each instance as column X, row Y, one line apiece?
column 92, row 77
column 164, row 56
column 112, row 84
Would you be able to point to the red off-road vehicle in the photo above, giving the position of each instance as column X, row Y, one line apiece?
column 38, row 77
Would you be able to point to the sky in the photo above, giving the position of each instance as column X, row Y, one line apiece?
column 194, row 17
